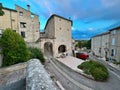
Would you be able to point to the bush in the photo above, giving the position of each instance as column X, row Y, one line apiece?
column 117, row 63
column 99, row 74
column 96, row 69
column 14, row 48
column 36, row 53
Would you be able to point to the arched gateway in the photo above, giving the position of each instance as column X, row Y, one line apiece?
column 48, row 49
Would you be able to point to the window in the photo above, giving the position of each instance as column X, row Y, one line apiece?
column 113, row 52
column 22, row 24
column 32, row 16
column 21, row 13
column 59, row 19
column 23, row 34
column 113, row 32
column 0, row 33
column 113, row 41
column 60, row 28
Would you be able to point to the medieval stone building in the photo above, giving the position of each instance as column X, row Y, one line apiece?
column 28, row 24
column 9, row 20
column 56, row 38
column 21, row 21
column 54, row 41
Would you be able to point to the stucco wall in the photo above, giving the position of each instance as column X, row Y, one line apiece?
column 99, row 43
column 96, row 44
column 116, row 46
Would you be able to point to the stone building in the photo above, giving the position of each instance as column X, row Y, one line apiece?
column 114, row 45
column 100, row 44
column 9, row 20
column 28, row 24
column 56, row 38
column 107, row 44
column 54, row 41
column 22, row 21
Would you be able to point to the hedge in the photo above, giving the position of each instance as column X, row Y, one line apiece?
column 96, row 69
column 36, row 53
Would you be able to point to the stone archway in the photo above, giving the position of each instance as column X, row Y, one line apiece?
column 61, row 49
column 48, row 49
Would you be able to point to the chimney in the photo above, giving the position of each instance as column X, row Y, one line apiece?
column 28, row 7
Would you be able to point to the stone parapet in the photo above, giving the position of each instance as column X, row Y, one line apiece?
column 37, row 78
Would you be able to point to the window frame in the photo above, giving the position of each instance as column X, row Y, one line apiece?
column 21, row 13
column 23, row 24
column 23, row 34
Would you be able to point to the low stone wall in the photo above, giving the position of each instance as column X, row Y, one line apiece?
column 37, row 78
column 36, row 45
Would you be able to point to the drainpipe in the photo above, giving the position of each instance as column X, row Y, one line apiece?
column 11, row 19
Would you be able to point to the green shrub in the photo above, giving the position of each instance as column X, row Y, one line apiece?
column 96, row 69
column 36, row 53
column 84, row 65
column 99, row 74
column 14, row 48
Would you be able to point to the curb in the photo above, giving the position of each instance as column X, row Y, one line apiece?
column 83, row 87
column 85, row 75
column 111, row 64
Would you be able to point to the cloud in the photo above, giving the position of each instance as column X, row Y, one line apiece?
column 90, row 29
column 89, row 17
column 78, row 9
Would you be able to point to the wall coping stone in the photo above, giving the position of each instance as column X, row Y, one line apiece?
column 37, row 77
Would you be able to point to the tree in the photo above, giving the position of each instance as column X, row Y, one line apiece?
column 1, row 12
column 84, row 43
column 14, row 48
column 88, row 45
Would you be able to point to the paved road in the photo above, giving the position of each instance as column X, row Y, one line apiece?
column 72, row 80
column 61, row 76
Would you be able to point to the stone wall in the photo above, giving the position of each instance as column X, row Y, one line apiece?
column 37, row 78
column 35, row 45
column 31, row 24
column 9, row 20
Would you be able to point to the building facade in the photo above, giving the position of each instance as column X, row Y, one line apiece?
column 100, row 44
column 22, row 21
column 8, row 20
column 107, row 44
column 54, row 41
column 114, row 44
column 56, row 38
column 28, row 24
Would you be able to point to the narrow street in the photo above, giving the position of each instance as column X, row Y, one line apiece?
column 72, row 80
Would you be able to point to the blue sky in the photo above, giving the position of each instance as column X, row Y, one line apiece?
column 90, row 17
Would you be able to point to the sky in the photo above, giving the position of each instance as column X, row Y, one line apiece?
column 90, row 17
